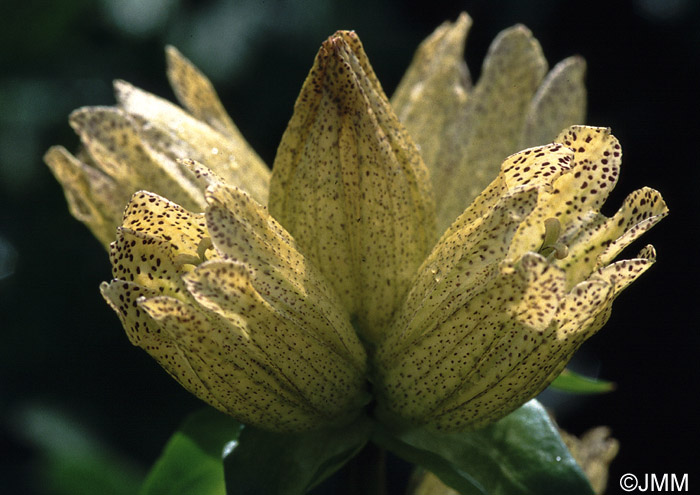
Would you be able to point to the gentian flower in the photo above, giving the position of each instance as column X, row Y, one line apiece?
column 370, row 272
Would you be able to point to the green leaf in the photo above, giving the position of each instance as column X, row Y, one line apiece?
column 449, row 473
column 268, row 463
column 192, row 461
column 570, row 381
column 522, row 454
column 72, row 459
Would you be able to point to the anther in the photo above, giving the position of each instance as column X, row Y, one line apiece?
column 552, row 248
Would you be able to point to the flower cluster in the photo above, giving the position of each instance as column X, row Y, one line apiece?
column 291, row 300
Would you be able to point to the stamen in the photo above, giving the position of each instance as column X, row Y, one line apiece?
column 204, row 244
column 190, row 259
column 552, row 248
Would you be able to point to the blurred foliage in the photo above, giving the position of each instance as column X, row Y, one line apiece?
column 63, row 347
column 72, row 460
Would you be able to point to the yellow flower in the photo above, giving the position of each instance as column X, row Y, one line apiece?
column 282, row 317
column 138, row 144
column 515, row 285
column 228, row 306
column 465, row 132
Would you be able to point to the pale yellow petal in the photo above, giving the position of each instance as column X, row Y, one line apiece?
column 457, row 269
column 584, row 311
column 594, row 171
column 431, row 99
column 250, row 357
column 622, row 273
column 93, row 197
column 605, row 238
column 529, row 366
column 186, row 232
column 560, row 102
column 148, row 261
column 495, row 116
column 227, row 157
column 326, row 379
column 575, row 199
column 250, row 388
column 581, row 307
column 350, row 186
column 115, row 143
column 576, row 196
column 482, row 342
column 642, row 210
column 203, row 175
column 534, row 167
column 196, row 93
column 111, row 142
column 243, row 230
column 145, row 333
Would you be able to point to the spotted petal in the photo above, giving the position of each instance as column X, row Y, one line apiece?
column 93, row 197
column 492, row 122
column 245, row 384
column 188, row 137
column 350, row 186
column 431, row 100
column 464, row 133
column 560, row 102
column 575, row 200
column 118, row 144
column 324, row 379
column 242, row 230
column 499, row 344
column 261, row 336
column 458, row 268
column 144, row 332
column 196, row 93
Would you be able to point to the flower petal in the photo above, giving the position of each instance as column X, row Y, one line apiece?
column 242, row 230
column 622, row 273
column 117, row 146
column 483, row 341
column 247, row 385
column 431, row 99
column 560, row 102
column 457, row 269
column 186, row 232
column 196, row 93
column 231, row 159
column 326, row 378
column 540, row 358
column 93, row 197
column 534, row 167
column 148, row 261
column 578, row 194
column 605, row 238
column 495, row 116
column 349, row 185
column 145, row 333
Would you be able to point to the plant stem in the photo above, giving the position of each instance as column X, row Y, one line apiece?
column 366, row 473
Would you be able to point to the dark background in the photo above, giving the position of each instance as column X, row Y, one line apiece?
column 74, row 393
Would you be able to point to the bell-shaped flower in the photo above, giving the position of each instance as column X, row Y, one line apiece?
column 518, row 282
column 226, row 303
